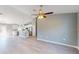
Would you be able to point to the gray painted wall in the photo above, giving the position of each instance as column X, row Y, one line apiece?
column 60, row 28
column 78, row 29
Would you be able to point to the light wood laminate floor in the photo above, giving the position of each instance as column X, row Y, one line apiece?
column 16, row 45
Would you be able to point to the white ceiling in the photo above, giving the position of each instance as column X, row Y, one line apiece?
column 21, row 14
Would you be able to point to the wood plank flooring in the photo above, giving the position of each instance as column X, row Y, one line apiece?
column 16, row 45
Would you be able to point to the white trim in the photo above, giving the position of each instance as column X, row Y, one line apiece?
column 58, row 43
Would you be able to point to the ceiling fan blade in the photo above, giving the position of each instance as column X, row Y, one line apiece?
column 48, row 13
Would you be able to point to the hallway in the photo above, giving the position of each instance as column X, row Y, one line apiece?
column 15, row 45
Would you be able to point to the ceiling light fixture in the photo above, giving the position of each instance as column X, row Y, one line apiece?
column 41, row 14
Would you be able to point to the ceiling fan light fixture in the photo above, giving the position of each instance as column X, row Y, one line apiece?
column 41, row 17
column 42, row 14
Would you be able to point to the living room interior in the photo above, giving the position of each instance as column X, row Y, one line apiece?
column 21, row 32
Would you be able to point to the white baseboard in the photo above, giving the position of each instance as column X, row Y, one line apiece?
column 59, row 43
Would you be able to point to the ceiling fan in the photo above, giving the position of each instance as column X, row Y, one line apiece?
column 41, row 13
